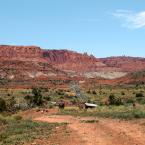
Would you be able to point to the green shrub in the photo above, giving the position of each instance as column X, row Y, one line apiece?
column 36, row 99
column 89, row 92
column 60, row 92
column 50, row 105
column 11, row 104
column 28, row 99
column 111, row 99
column 2, row 105
column 114, row 101
column 47, row 98
column 140, row 100
column 129, row 100
column 139, row 94
column 74, row 101
column 36, row 91
column 94, row 92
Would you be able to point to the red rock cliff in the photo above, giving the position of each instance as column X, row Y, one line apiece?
column 20, row 52
column 70, row 60
column 73, row 61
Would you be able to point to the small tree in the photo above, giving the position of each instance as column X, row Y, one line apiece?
column 36, row 99
column 36, row 91
column 37, row 96
column 111, row 99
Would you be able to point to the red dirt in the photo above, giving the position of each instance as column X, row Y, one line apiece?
column 102, row 132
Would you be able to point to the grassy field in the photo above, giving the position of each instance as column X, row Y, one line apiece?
column 19, row 94
column 119, row 112
column 16, row 131
column 127, row 93
column 95, row 94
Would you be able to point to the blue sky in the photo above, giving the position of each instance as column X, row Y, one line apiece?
column 99, row 27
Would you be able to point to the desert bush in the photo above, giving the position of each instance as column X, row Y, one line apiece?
column 140, row 100
column 129, row 100
column 3, row 121
column 89, row 92
column 139, row 94
column 2, row 105
column 94, row 92
column 60, row 93
column 114, row 101
column 29, row 99
column 47, row 98
column 18, row 117
column 111, row 99
column 74, row 101
column 11, row 104
column 50, row 105
column 36, row 92
column 122, row 93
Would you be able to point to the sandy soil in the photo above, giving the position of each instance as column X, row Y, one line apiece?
column 101, row 132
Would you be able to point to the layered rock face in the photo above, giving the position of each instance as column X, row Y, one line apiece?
column 72, row 61
column 20, row 63
column 20, row 52
column 126, row 64
column 29, row 62
column 24, row 70
column 90, row 67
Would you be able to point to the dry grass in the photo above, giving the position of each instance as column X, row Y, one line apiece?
column 19, row 131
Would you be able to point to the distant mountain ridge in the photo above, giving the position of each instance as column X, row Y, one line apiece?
column 31, row 62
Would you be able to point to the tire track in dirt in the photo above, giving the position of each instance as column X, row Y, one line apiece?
column 102, row 132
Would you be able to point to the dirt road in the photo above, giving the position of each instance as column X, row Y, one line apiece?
column 93, row 131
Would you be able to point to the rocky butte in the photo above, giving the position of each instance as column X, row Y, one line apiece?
column 31, row 62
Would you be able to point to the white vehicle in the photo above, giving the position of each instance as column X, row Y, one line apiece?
column 90, row 105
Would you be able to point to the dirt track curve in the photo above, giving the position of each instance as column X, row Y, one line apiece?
column 100, row 132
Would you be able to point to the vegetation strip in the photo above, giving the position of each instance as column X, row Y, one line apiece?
column 120, row 112
column 18, row 131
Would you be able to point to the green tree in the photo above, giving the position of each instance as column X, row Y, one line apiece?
column 111, row 99
column 36, row 99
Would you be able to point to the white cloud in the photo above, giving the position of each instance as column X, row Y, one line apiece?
column 131, row 19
